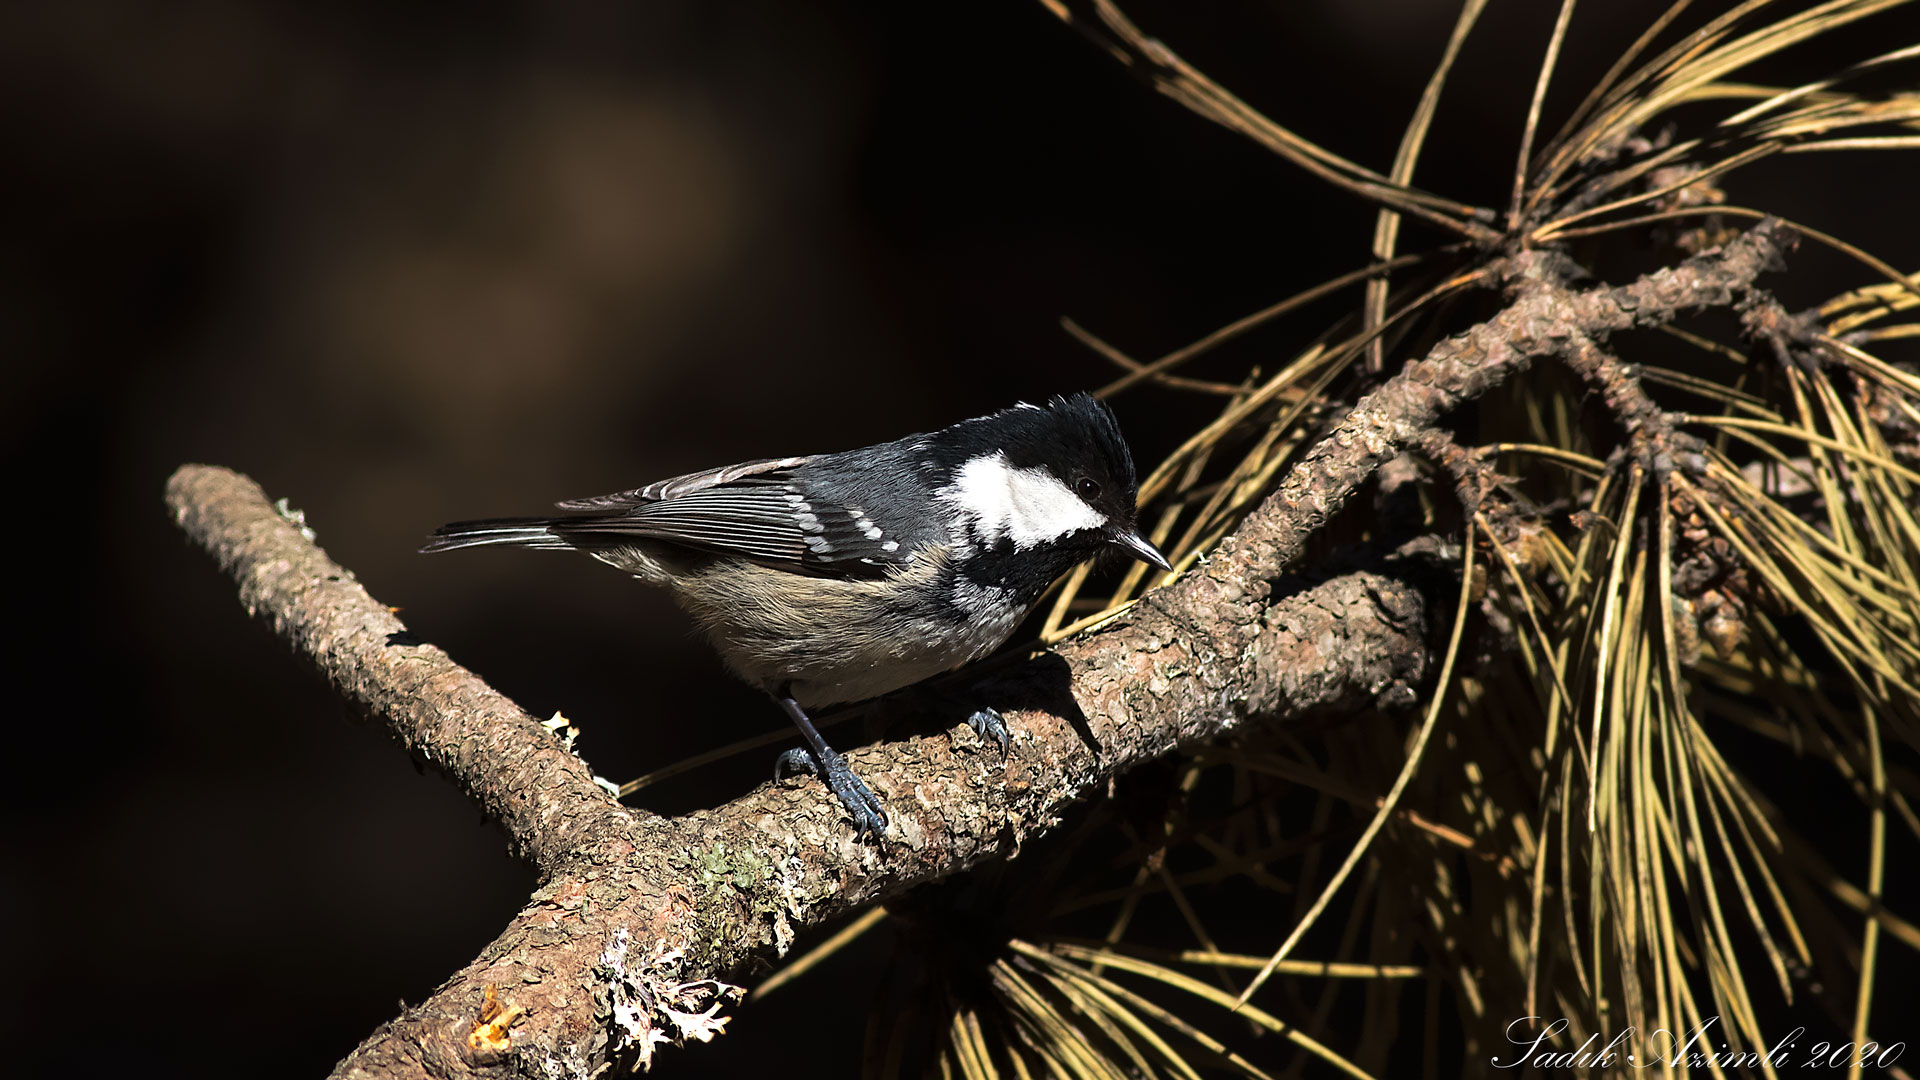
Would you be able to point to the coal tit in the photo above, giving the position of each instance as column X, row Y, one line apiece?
column 841, row 577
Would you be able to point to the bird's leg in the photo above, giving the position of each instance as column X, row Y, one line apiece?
column 821, row 760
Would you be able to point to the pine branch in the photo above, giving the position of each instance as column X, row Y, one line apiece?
column 637, row 916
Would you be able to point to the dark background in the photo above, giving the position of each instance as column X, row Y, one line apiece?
column 410, row 263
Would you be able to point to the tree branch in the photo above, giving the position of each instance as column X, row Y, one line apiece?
column 699, row 896
column 637, row 915
column 520, row 774
column 1545, row 319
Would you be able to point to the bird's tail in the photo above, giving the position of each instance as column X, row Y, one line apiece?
column 503, row 532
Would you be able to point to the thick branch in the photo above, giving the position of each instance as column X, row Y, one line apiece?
column 519, row 773
column 701, row 895
column 698, row 896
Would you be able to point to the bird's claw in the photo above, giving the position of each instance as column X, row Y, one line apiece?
column 985, row 720
column 855, row 796
column 987, row 723
column 796, row 760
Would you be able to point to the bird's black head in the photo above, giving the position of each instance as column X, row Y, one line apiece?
column 1056, row 476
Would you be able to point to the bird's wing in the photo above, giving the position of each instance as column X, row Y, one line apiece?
column 758, row 510
column 682, row 485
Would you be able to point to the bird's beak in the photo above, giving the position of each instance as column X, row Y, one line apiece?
column 1140, row 548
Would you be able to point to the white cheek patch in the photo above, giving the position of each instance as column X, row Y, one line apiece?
column 1028, row 506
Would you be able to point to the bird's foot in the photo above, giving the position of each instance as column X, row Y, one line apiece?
column 957, row 702
column 987, row 723
column 855, row 796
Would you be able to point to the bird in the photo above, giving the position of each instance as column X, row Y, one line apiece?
column 835, row 578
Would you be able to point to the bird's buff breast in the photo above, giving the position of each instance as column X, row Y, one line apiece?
column 771, row 628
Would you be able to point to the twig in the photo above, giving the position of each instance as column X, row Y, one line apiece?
column 1546, row 319
column 1153, row 61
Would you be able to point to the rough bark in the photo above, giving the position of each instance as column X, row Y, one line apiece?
column 637, row 915
column 1545, row 319
column 521, row 774
column 698, row 896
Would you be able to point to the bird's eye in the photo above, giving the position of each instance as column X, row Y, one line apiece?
column 1087, row 487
